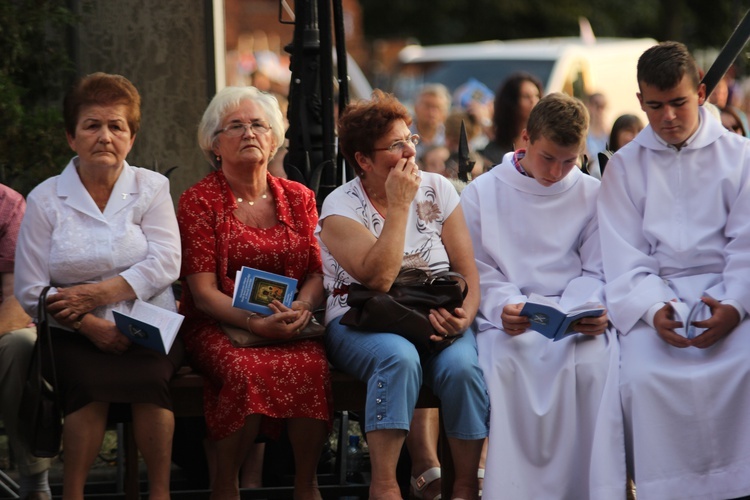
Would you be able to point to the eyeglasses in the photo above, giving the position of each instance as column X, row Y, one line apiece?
column 238, row 129
column 398, row 146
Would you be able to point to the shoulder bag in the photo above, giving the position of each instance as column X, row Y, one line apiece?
column 40, row 410
column 404, row 309
column 239, row 337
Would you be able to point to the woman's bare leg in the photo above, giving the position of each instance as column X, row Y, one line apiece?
column 83, row 433
column 153, row 427
column 307, row 436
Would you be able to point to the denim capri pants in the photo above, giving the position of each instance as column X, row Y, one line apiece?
column 394, row 374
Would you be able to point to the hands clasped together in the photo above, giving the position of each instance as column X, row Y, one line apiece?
column 722, row 321
column 69, row 305
column 284, row 323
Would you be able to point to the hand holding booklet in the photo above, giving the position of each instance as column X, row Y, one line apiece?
column 255, row 289
column 549, row 319
column 150, row 326
column 688, row 315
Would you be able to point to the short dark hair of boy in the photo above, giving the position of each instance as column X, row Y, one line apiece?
column 560, row 118
column 664, row 65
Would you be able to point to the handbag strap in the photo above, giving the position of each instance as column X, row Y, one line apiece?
column 450, row 276
column 416, row 276
column 44, row 339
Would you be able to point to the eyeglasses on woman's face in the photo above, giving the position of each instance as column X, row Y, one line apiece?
column 237, row 129
column 399, row 146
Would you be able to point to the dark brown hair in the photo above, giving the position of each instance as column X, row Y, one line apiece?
column 102, row 89
column 664, row 65
column 623, row 122
column 506, row 118
column 364, row 122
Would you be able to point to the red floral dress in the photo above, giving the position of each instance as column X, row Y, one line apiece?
column 285, row 381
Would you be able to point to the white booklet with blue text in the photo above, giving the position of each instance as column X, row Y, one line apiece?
column 150, row 326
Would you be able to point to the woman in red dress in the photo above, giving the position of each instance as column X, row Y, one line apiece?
column 240, row 215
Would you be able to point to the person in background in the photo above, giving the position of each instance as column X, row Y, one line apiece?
column 388, row 218
column 431, row 108
column 675, row 237
column 732, row 121
column 17, row 337
column 514, row 100
column 452, row 140
column 241, row 215
column 103, row 234
column 624, row 130
column 556, row 428
column 596, row 139
column 434, row 159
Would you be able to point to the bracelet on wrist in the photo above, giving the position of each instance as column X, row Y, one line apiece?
column 247, row 321
column 78, row 322
column 307, row 304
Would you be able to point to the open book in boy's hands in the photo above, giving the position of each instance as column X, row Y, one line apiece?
column 149, row 325
column 549, row 319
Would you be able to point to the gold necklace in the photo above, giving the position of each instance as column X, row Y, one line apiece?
column 252, row 202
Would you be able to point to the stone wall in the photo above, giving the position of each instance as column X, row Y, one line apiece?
column 165, row 48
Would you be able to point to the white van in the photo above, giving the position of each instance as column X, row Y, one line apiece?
column 568, row 65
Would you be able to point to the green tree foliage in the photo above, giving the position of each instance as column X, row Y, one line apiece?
column 697, row 23
column 34, row 70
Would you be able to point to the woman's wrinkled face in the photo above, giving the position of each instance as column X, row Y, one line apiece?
column 102, row 137
column 388, row 150
column 249, row 144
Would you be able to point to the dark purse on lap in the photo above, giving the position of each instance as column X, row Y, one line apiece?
column 40, row 415
column 404, row 309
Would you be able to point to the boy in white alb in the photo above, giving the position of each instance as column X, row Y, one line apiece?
column 674, row 211
column 555, row 426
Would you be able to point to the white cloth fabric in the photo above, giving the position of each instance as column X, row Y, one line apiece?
column 435, row 201
column 556, row 427
column 675, row 224
column 65, row 239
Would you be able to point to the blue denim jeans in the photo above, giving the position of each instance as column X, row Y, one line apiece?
column 394, row 374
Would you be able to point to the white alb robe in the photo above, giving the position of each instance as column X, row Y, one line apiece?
column 675, row 224
column 556, row 428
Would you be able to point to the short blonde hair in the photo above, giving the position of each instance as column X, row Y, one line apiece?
column 560, row 118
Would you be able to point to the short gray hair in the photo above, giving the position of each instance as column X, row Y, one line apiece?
column 228, row 99
column 438, row 90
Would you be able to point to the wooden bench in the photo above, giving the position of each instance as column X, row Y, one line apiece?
column 349, row 395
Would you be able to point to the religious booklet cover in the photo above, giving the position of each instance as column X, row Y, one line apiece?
column 255, row 289
column 549, row 319
column 150, row 326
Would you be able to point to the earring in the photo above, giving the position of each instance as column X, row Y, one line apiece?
column 218, row 159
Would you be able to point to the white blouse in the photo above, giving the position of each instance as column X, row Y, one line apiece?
column 65, row 239
column 434, row 203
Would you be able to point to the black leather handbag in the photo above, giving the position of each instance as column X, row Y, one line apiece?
column 40, row 410
column 404, row 309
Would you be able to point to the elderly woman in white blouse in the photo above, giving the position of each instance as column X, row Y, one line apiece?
column 102, row 234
